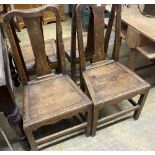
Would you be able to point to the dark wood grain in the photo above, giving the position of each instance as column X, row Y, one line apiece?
column 51, row 97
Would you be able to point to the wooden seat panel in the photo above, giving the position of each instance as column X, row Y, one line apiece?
column 109, row 81
column 53, row 97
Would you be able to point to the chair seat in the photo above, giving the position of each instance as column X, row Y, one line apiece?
column 29, row 57
column 109, row 80
column 52, row 98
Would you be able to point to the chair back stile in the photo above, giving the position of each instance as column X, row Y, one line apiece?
column 109, row 28
column 117, row 43
column 80, row 43
column 16, row 51
column 90, row 38
column 33, row 22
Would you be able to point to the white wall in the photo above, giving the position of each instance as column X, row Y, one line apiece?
column 66, row 8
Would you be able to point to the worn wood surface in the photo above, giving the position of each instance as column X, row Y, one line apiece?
column 138, row 33
column 95, row 37
column 108, row 81
column 139, row 44
column 134, row 18
column 48, row 105
column 49, row 98
column 105, row 77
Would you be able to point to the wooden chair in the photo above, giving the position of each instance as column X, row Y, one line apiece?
column 51, row 97
column 107, row 81
column 24, row 52
column 72, row 54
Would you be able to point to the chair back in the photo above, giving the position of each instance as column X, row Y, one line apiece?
column 33, row 21
column 97, row 39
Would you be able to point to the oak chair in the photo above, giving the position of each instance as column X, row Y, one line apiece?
column 51, row 97
column 107, row 81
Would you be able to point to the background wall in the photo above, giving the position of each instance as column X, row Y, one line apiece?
column 66, row 8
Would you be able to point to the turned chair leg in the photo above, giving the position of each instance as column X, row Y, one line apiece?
column 95, row 120
column 141, row 102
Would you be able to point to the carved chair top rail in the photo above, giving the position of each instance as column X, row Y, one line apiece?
column 35, row 12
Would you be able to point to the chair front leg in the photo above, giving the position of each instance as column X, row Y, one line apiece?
column 95, row 120
column 31, row 139
column 89, row 121
column 141, row 102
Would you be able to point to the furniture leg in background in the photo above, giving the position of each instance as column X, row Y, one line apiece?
column 7, row 99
